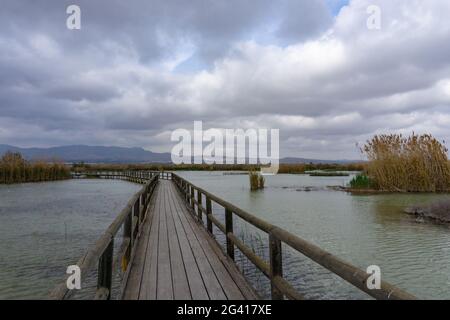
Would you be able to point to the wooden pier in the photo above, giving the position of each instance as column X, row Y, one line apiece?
column 176, row 259
column 166, row 249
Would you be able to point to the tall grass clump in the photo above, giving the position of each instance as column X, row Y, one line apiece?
column 15, row 169
column 417, row 163
column 361, row 181
column 256, row 180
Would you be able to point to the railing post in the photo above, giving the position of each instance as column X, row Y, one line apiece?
column 141, row 207
column 199, row 206
column 276, row 265
column 209, row 225
column 137, row 215
column 192, row 198
column 127, row 233
column 105, row 265
column 229, row 229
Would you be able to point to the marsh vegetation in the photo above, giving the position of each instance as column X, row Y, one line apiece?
column 15, row 169
column 256, row 180
column 417, row 163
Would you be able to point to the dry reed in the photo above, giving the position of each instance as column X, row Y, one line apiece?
column 15, row 169
column 256, row 180
column 417, row 163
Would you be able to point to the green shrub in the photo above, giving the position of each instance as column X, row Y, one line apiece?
column 361, row 181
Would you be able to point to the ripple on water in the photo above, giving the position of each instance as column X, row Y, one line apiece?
column 363, row 230
column 45, row 227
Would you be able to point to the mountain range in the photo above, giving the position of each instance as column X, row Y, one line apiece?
column 104, row 154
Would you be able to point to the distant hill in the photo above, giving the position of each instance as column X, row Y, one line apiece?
column 90, row 154
column 100, row 154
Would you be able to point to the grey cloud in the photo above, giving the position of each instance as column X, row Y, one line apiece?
column 264, row 63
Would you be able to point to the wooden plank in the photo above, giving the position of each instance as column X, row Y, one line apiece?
column 164, row 290
column 175, row 258
column 133, row 285
column 212, row 284
column 150, row 270
column 196, row 285
column 229, row 287
column 179, row 279
column 245, row 288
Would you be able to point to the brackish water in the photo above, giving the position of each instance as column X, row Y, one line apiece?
column 44, row 227
column 363, row 230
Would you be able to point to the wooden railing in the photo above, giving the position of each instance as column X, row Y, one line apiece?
column 101, row 255
column 273, row 269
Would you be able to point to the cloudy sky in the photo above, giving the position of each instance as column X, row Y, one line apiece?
column 139, row 69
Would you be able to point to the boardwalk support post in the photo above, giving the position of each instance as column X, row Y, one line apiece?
column 105, row 266
column 276, row 265
column 128, row 233
column 192, row 197
column 229, row 232
column 209, row 224
column 136, row 209
column 199, row 206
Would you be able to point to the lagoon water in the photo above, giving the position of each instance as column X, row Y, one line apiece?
column 45, row 227
column 363, row 230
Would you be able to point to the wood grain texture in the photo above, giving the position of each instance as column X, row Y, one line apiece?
column 177, row 259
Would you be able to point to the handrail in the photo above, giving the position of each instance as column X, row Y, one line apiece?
column 273, row 269
column 102, row 252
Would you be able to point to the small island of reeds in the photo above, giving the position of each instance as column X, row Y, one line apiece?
column 256, row 180
column 417, row 163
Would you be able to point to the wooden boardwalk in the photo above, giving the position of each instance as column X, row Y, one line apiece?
column 166, row 252
column 177, row 259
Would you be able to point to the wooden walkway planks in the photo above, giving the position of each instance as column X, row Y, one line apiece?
column 177, row 259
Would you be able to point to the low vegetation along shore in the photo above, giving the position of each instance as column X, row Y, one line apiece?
column 15, row 169
column 300, row 168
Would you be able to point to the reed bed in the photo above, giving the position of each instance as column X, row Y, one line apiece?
column 15, row 169
column 417, row 163
column 256, row 180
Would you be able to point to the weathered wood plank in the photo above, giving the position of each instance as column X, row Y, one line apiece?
column 180, row 283
column 133, row 285
column 177, row 259
column 229, row 287
column 236, row 277
column 196, row 285
column 150, row 275
column 164, row 290
column 212, row 284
